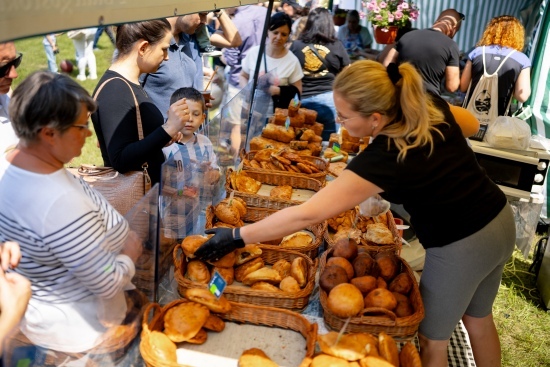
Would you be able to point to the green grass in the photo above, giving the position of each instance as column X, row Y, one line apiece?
column 523, row 324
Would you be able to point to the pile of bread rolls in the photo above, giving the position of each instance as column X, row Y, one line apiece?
column 348, row 143
column 189, row 322
column 229, row 212
column 354, row 280
column 361, row 229
column 281, row 160
column 240, row 181
column 246, row 265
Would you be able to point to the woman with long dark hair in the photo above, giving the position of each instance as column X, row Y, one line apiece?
column 322, row 56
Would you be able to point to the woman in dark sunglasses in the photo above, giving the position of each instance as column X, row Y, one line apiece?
column 9, row 61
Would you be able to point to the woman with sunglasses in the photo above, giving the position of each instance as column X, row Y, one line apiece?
column 9, row 61
column 418, row 158
column 77, row 250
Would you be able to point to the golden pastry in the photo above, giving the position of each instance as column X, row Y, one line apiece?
column 183, row 322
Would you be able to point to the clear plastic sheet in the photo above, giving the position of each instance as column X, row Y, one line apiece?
column 526, row 215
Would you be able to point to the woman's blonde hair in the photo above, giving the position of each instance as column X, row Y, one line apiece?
column 504, row 30
column 412, row 115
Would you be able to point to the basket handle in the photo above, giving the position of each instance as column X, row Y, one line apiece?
column 310, row 347
column 178, row 260
column 314, row 268
column 151, row 306
column 369, row 310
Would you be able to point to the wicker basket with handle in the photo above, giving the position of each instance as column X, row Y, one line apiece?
column 244, row 294
column 370, row 320
column 255, row 214
column 240, row 312
column 275, row 178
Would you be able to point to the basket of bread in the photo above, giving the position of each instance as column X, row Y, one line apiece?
column 377, row 233
column 376, row 290
column 285, row 160
column 190, row 321
column 362, row 349
column 256, row 274
column 233, row 212
column 267, row 189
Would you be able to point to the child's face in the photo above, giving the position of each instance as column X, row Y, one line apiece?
column 196, row 118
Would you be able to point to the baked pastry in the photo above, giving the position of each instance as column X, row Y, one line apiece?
column 403, row 308
column 190, row 244
column 297, row 120
column 331, row 277
column 347, row 249
column 255, row 358
column 290, row 285
column 344, row 219
column 402, row 283
column 298, row 270
column 214, row 323
column 264, row 286
column 247, row 184
column 343, row 263
column 388, row 348
column 225, row 262
column 247, row 253
column 281, row 192
column 227, row 212
column 374, row 361
column 197, row 271
column 240, row 203
column 199, row 338
column 409, row 356
column 324, row 360
column 206, row 298
column 345, row 300
column 283, row 267
column 298, row 239
column 227, row 273
column 363, row 265
column 365, row 283
column 380, row 297
column 278, row 133
column 264, row 155
column 388, row 264
column 184, row 321
column 248, row 267
column 345, row 234
column 163, row 347
column 380, row 234
column 310, row 116
column 366, row 339
column 264, row 274
column 259, row 143
column 345, row 347
column 298, row 144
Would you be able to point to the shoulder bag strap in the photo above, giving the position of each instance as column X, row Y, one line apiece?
column 314, row 50
column 138, row 118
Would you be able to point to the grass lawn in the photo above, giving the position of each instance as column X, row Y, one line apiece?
column 523, row 324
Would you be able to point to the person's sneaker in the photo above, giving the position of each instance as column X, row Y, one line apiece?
column 92, row 77
column 81, row 77
column 210, row 51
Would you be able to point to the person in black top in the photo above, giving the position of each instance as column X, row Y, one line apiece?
column 418, row 158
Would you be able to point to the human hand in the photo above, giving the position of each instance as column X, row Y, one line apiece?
column 175, row 138
column 178, row 115
column 133, row 246
column 10, row 255
column 15, row 292
column 222, row 243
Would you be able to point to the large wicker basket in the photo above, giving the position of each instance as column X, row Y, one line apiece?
column 241, row 313
column 255, row 214
column 371, row 320
column 320, row 163
column 276, row 179
column 392, row 226
column 244, row 294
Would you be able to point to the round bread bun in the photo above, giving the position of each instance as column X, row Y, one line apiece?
column 290, row 285
column 197, row 271
column 190, row 244
column 388, row 265
column 381, row 297
column 381, row 283
column 403, row 308
column 248, row 267
column 363, row 265
column 365, row 283
column 402, row 283
column 343, row 263
column 400, row 297
column 346, row 249
column 205, row 297
column 345, row 300
column 183, row 322
column 227, row 213
column 331, row 277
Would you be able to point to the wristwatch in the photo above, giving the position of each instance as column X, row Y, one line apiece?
column 237, row 239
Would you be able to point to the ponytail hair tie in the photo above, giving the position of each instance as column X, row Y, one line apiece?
column 393, row 72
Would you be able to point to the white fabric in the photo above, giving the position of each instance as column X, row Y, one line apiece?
column 70, row 240
column 287, row 69
column 8, row 139
column 84, row 46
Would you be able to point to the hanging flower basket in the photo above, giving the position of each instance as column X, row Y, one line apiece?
column 385, row 35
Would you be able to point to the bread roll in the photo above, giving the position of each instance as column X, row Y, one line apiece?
column 242, row 270
column 298, row 270
column 190, row 244
column 247, row 253
column 324, row 360
column 264, row 274
column 346, row 347
column 388, row 264
column 214, row 323
column 163, row 347
column 197, row 271
column 365, row 283
column 259, row 143
column 409, row 356
column 227, row 273
column 184, row 321
column 255, row 358
column 298, row 239
column 388, row 348
column 374, row 361
column 290, row 285
column 278, row 133
column 345, row 300
column 199, row 338
column 283, row 267
column 331, row 277
column 379, row 233
column 206, row 298
column 343, row 263
column 265, row 286
column 380, row 297
column 402, row 283
column 346, row 249
column 225, row 262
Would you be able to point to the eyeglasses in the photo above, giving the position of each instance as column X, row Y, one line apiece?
column 341, row 120
column 462, row 17
column 5, row 69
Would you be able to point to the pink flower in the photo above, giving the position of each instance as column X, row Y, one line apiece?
column 376, row 10
column 404, row 5
column 398, row 15
column 390, row 18
column 362, row 15
column 383, row 5
column 414, row 14
column 378, row 18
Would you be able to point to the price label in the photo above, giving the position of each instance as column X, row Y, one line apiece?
column 287, row 122
column 336, row 147
column 217, row 284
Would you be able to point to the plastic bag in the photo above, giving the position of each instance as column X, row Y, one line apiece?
column 374, row 206
column 509, row 133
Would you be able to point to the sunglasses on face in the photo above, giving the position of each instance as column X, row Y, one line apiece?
column 5, row 69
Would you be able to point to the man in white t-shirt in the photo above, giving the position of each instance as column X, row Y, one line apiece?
column 9, row 61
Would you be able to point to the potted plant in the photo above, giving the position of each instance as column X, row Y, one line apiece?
column 387, row 16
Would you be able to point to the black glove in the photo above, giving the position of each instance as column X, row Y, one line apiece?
column 220, row 245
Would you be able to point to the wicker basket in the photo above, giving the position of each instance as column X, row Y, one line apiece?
column 392, row 225
column 236, row 293
column 276, row 179
column 370, row 320
column 242, row 313
column 320, row 163
column 255, row 214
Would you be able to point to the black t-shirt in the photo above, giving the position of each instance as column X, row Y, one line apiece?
column 447, row 193
column 115, row 123
column 317, row 79
column 430, row 51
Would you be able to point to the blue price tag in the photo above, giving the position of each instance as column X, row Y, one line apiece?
column 287, row 122
column 217, row 284
column 336, row 147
